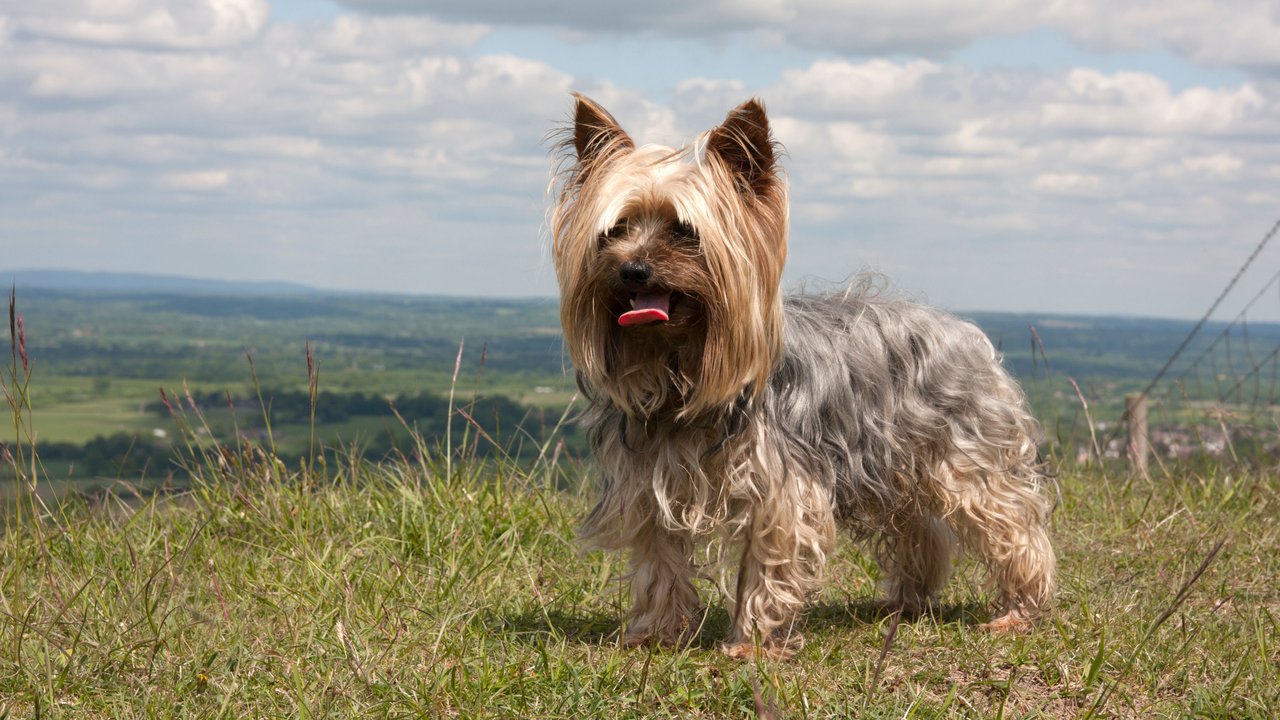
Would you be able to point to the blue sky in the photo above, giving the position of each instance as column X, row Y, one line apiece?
column 1085, row 157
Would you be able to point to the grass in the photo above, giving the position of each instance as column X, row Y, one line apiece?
column 439, row 585
column 82, row 421
column 399, row 590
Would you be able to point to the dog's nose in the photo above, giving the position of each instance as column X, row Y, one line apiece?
column 635, row 273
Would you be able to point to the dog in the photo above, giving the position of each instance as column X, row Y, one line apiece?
column 718, row 408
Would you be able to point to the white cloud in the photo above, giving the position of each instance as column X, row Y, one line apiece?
column 1230, row 33
column 1060, row 175
column 197, row 180
column 926, row 26
column 610, row 17
column 920, row 26
column 1141, row 103
column 1224, row 33
column 195, row 24
column 864, row 88
column 387, row 38
column 1217, row 165
column 1066, row 183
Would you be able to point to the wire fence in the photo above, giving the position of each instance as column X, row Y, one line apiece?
column 1216, row 394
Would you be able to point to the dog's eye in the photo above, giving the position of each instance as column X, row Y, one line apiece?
column 613, row 233
column 685, row 231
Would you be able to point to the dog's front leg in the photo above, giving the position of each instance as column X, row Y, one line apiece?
column 664, row 603
column 769, row 597
column 783, row 555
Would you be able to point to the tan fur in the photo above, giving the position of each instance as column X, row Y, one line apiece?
column 744, row 250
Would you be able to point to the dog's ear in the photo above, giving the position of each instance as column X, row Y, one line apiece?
column 595, row 132
column 745, row 145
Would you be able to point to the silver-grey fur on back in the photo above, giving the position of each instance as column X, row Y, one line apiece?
column 882, row 389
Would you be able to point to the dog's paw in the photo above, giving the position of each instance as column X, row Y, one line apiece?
column 739, row 651
column 909, row 610
column 675, row 633
column 1011, row 622
column 636, row 639
column 771, row 649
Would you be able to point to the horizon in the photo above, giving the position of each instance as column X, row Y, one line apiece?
column 1097, row 159
column 285, row 289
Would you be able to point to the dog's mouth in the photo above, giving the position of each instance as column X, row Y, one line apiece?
column 648, row 307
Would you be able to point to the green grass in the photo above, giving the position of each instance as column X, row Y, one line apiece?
column 78, row 409
column 442, row 586
column 402, row 590
column 80, row 422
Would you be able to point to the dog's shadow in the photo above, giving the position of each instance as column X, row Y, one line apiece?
column 837, row 615
column 537, row 625
column 541, row 624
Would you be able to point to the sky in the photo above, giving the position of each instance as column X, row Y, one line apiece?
column 1084, row 156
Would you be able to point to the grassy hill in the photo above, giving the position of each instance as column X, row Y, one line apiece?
column 438, row 587
column 444, row 581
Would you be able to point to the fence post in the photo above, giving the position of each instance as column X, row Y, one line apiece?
column 1135, row 409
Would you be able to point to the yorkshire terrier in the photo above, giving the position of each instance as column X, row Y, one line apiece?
column 718, row 408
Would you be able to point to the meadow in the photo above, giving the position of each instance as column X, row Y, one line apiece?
column 441, row 578
column 443, row 585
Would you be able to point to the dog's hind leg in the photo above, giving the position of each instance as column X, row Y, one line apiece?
column 1002, row 515
column 916, row 560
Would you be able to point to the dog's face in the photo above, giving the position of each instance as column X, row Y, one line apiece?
column 669, row 261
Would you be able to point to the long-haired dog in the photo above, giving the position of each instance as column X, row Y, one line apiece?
column 719, row 407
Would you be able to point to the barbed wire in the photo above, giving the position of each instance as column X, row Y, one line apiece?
column 1212, row 308
column 1225, row 336
column 1271, row 356
column 1237, row 320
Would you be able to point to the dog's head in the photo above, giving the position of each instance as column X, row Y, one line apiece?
column 670, row 260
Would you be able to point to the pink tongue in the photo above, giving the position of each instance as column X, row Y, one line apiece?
column 648, row 308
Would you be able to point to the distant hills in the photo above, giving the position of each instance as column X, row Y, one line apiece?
column 75, row 280
column 158, row 327
column 125, row 283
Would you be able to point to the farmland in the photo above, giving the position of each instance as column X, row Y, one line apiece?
column 245, row 363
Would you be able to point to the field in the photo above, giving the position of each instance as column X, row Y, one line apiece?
column 283, row 569
column 452, row 588
column 100, row 358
